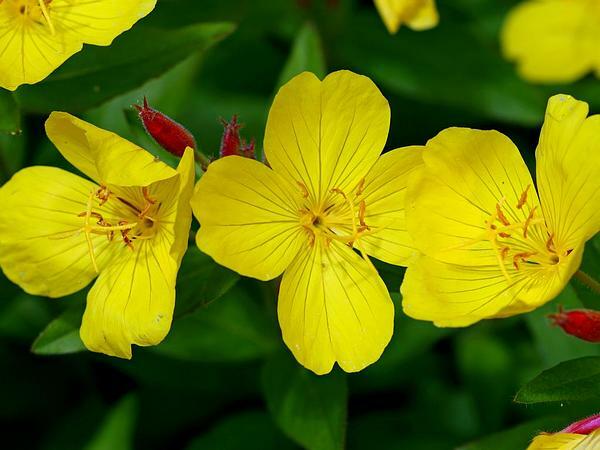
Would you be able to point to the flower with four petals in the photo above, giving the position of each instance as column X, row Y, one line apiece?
column 326, row 202
column 489, row 246
column 129, row 227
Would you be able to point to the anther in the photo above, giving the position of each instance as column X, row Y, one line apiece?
column 523, row 198
column 360, row 188
column 501, row 215
column 550, row 244
column 504, row 252
column 528, row 221
column 303, row 189
column 522, row 257
column 503, row 234
column 103, row 194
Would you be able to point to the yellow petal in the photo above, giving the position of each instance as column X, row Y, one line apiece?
column 417, row 14
column 132, row 300
column 104, row 156
column 552, row 40
column 334, row 307
column 97, row 22
column 466, row 173
column 33, row 43
column 384, row 196
column 568, row 171
column 249, row 217
column 566, row 441
column 182, row 216
column 28, row 51
column 41, row 249
column 453, row 295
column 326, row 134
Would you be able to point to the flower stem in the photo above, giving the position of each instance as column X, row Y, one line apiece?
column 201, row 159
column 589, row 281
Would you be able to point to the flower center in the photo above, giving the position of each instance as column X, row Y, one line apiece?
column 341, row 217
column 525, row 244
column 37, row 11
column 117, row 218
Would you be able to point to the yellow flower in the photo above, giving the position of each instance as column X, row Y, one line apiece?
column 37, row 36
column 130, row 225
column 553, row 40
column 327, row 191
column 416, row 14
column 489, row 247
column 566, row 441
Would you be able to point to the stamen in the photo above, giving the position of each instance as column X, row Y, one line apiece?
column 523, row 198
column 303, row 188
column 500, row 214
column 521, row 257
column 351, row 206
column 504, row 252
column 528, row 221
column 46, row 15
column 103, row 194
column 361, row 187
column 550, row 243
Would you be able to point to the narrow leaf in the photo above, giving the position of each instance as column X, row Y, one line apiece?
column 116, row 432
column 61, row 336
column 306, row 55
column 578, row 379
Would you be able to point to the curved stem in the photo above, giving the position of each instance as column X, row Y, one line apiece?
column 588, row 280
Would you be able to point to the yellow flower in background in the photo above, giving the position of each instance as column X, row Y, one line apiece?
column 130, row 225
column 37, row 36
column 553, row 41
column 416, row 14
column 489, row 247
column 326, row 192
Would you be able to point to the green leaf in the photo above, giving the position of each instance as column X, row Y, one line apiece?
column 234, row 328
column 98, row 74
column 10, row 117
column 61, row 336
column 310, row 409
column 578, row 379
column 253, row 430
column 116, row 432
column 306, row 55
column 517, row 437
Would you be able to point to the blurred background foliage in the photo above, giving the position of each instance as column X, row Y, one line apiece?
column 222, row 379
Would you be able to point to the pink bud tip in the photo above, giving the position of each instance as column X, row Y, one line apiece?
column 585, row 426
column 170, row 135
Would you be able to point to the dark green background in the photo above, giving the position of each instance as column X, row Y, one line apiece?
column 223, row 379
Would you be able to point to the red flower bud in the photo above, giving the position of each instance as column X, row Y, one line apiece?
column 581, row 323
column 585, row 426
column 232, row 144
column 170, row 135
